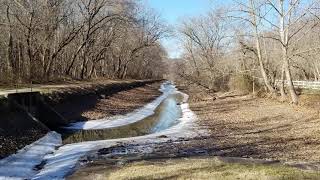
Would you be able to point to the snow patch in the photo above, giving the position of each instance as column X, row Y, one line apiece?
column 21, row 165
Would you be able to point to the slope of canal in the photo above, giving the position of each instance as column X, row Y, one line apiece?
column 165, row 116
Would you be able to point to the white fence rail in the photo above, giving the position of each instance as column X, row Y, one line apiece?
column 299, row 84
column 302, row 84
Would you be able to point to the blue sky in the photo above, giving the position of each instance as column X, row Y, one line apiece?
column 172, row 11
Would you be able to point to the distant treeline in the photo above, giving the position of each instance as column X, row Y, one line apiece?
column 255, row 39
column 44, row 40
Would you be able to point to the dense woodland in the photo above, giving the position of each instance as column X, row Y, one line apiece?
column 47, row 40
column 265, row 42
column 261, row 41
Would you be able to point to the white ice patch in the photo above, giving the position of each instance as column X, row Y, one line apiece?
column 130, row 118
column 21, row 165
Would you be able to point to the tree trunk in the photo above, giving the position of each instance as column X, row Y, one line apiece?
column 83, row 68
column 284, row 46
column 22, row 71
column 9, row 63
column 68, row 72
column 283, row 93
column 259, row 52
column 262, row 68
column 119, row 67
column 10, row 46
column 317, row 72
column 124, row 73
column 291, row 89
column 93, row 67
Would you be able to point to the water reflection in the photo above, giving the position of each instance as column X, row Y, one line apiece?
column 165, row 116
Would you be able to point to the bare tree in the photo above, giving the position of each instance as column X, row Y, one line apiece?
column 46, row 40
column 204, row 39
column 292, row 19
column 251, row 12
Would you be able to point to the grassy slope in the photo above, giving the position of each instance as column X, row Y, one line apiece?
column 198, row 168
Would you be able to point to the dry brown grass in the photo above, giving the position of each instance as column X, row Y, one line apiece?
column 194, row 168
column 310, row 98
column 243, row 126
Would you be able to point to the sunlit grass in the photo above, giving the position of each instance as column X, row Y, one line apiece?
column 311, row 91
column 205, row 169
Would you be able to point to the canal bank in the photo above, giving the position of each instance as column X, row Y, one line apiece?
column 23, row 120
column 70, row 157
column 67, row 158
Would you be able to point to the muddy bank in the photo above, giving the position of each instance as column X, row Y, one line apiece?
column 100, row 100
column 123, row 102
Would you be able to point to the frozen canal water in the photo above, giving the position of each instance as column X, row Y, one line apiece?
column 165, row 115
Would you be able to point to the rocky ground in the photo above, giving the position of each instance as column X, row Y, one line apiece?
column 10, row 143
column 17, row 129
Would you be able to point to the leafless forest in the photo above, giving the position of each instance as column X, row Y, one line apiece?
column 45, row 40
column 159, row 89
column 255, row 41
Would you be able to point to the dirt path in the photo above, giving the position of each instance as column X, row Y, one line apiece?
column 65, row 86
